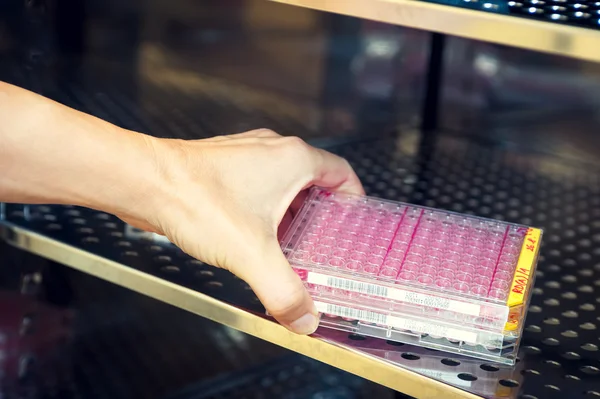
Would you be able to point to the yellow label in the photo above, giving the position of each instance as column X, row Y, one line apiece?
column 522, row 277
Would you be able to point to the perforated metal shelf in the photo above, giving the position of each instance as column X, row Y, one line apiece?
column 584, row 14
column 560, row 348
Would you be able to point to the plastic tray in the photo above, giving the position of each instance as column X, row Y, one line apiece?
column 429, row 333
column 412, row 259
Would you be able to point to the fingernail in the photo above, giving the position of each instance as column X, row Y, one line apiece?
column 306, row 324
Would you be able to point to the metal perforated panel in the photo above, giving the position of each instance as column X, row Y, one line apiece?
column 567, row 12
column 560, row 348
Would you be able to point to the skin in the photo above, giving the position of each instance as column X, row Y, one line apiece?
column 221, row 200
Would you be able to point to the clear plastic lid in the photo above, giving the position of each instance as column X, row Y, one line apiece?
column 429, row 262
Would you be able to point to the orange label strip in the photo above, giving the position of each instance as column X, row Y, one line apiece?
column 522, row 276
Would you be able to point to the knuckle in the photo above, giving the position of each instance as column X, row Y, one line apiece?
column 296, row 146
column 266, row 133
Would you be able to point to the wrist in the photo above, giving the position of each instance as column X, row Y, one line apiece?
column 128, row 181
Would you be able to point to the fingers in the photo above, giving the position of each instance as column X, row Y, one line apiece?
column 280, row 290
column 335, row 173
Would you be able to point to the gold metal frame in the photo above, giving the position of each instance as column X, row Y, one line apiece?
column 351, row 360
column 524, row 33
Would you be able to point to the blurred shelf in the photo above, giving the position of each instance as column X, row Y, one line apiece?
column 562, row 27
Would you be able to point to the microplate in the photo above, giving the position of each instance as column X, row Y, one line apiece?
column 500, row 347
column 418, row 261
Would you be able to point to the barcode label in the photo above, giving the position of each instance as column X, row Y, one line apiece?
column 432, row 329
column 396, row 322
column 350, row 313
column 363, row 288
column 394, row 293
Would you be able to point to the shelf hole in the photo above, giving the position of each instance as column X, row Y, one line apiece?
column 588, row 326
column 170, row 269
column 553, row 321
column 551, row 302
column 532, row 350
column 194, row 263
column 450, row 362
column 489, row 367
column 587, row 306
column 553, row 363
column 553, row 387
column 394, row 343
column 569, row 334
column 571, row 314
column 53, row 227
column 214, row 284
column 552, row 284
column 410, row 356
column 589, row 347
column 571, row 356
column 531, row 372
column 590, row 370
column 90, row 240
column 572, row 377
column 467, row 377
column 551, row 342
column 204, row 274
column 569, row 295
column 533, row 328
column 593, row 393
column 356, row 337
column 509, row 383
column 586, row 272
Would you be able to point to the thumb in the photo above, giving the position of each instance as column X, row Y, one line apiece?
column 280, row 289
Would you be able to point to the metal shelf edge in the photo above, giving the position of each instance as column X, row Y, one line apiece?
column 501, row 29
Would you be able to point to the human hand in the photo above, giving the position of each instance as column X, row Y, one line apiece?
column 222, row 200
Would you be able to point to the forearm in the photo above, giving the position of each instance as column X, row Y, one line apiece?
column 50, row 153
